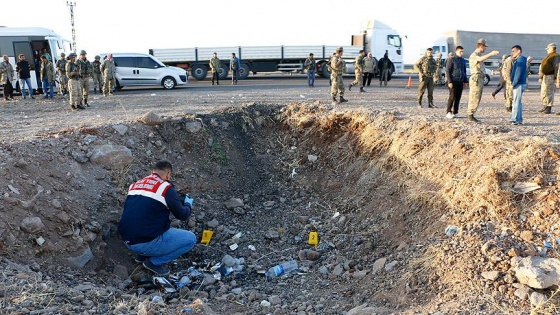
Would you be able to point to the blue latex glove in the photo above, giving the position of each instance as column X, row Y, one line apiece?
column 189, row 200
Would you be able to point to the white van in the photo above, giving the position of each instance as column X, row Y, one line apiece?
column 135, row 69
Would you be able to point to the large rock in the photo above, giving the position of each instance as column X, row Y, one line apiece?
column 537, row 272
column 193, row 126
column 111, row 156
column 31, row 225
column 78, row 262
column 151, row 119
column 233, row 203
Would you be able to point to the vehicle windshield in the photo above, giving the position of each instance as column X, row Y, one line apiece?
column 394, row 40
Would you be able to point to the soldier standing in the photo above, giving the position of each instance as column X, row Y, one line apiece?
column 358, row 71
column 62, row 78
column 337, row 69
column 74, row 86
column 311, row 65
column 506, row 76
column 547, row 72
column 108, row 69
column 439, row 66
column 97, row 75
column 476, row 81
column 426, row 66
column 234, row 67
column 215, row 67
column 85, row 74
column 6, row 77
column 47, row 77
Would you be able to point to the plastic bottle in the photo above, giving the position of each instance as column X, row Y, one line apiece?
column 281, row 269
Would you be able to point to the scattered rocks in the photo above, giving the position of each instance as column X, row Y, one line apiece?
column 537, row 272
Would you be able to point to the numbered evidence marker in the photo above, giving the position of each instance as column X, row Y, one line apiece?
column 313, row 238
column 206, row 236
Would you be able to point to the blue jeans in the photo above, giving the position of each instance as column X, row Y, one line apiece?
column 22, row 83
column 516, row 105
column 310, row 77
column 48, row 85
column 234, row 75
column 166, row 247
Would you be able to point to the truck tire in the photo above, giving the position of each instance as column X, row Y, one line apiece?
column 243, row 71
column 325, row 71
column 199, row 71
column 223, row 72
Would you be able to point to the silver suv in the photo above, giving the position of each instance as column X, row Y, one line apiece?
column 134, row 69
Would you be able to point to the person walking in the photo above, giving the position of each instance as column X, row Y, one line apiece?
column 547, row 72
column 384, row 65
column 85, row 73
column 370, row 64
column 506, row 74
column 501, row 81
column 476, row 81
column 62, row 78
column 358, row 72
column 23, row 68
column 6, row 77
column 338, row 67
column 234, row 67
column 96, row 74
column 426, row 67
column 145, row 226
column 456, row 75
column 108, row 70
column 47, row 77
column 215, row 68
column 74, row 84
column 519, row 84
column 311, row 65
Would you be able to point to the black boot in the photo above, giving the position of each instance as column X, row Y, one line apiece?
column 86, row 103
column 362, row 89
column 94, row 91
column 343, row 100
column 334, row 100
column 471, row 118
column 431, row 104
column 349, row 87
column 548, row 110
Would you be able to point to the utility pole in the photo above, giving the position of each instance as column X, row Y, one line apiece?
column 71, row 6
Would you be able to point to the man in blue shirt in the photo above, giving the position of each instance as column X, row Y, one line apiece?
column 145, row 224
column 234, row 67
column 519, row 83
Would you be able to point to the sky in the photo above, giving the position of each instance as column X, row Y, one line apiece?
column 136, row 26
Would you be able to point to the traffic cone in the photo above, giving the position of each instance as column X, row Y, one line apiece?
column 409, row 84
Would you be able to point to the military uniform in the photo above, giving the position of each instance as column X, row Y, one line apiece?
column 547, row 77
column 108, row 69
column 62, row 78
column 437, row 75
column 97, row 75
column 426, row 66
column 74, row 84
column 85, row 73
column 476, row 82
column 506, row 74
column 215, row 68
column 358, row 71
column 338, row 67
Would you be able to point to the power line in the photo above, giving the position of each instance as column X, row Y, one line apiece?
column 71, row 6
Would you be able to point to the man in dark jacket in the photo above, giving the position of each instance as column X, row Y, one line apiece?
column 145, row 224
column 456, row 75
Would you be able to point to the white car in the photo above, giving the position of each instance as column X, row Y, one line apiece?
column 487, row 76
column 135, row 69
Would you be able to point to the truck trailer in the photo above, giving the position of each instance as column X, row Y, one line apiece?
column 533, row 44
column 376, row 38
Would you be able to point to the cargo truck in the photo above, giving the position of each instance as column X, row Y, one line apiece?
column 533, row 44
column 376, row 37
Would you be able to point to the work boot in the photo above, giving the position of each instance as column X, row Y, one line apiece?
column 160, row 270
column 508, row 109
column 94, row 91
column 343, row 100
column 349, row 87
column 362, row 89
column 431, row 105
column 335, row 101
column 473, row 119
column 548, row 110
column 73, row 107
column 86, row 103
column 80, row 107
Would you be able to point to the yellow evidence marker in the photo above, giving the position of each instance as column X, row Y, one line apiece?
column 206, row 236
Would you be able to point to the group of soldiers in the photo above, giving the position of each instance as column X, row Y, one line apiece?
column 74, row 77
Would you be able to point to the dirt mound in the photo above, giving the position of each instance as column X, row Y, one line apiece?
column 378, row 189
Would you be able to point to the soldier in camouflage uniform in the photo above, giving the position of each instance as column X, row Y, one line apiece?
column 547, row 73
column 215, row 68
column 108, row 69
column 506, row 74
column 85, row 73
column 74, row 85
column 358, row 71
column 439, row 66
column 97, row 75
column 426, row 67
column 47, row 77
column 476, row 81
column 62, row 78
column 337, row 69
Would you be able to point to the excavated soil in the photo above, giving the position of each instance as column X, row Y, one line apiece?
column 379, row 181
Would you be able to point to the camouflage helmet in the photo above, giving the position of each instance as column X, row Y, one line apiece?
column 97, row 57
column 62, row 54
column 72, row 55
column 83, row 52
